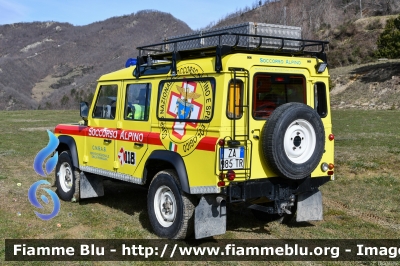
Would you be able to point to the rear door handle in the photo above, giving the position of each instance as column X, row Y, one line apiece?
column 138, row 144
column 107, row 140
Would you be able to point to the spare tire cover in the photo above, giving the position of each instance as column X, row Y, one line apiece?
column 293, row 140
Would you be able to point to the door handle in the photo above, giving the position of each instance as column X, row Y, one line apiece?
column 138, row 144
column 107, row 140
column 256, row 133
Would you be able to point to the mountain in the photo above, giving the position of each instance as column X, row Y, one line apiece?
column 52, row 65
column 55, row 65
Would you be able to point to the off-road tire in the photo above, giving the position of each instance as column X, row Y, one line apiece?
column 173, row 221
column 293, row 140
column 66, row 175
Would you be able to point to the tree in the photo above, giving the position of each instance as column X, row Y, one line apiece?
column 389, row 41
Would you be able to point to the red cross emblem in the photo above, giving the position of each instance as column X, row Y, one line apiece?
column 183, row 106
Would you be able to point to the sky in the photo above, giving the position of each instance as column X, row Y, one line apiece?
column 197, row 14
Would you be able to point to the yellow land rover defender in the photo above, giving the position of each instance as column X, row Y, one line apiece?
column 235, row 115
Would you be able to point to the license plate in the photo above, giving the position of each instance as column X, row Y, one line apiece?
column 231, row 158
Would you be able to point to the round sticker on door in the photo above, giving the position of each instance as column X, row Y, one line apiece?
column 185, row 109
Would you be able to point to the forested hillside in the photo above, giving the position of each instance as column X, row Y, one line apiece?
column 47, row 65
column 51, row 65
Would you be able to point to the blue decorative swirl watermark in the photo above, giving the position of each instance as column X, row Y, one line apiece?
column 32, row 198
column 44, row 153
column 38, row 167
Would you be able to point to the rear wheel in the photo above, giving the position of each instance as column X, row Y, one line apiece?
column 170, row 209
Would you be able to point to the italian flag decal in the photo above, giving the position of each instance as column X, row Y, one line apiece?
column 173, row 147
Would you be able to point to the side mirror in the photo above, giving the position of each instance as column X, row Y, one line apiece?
column 84, row 110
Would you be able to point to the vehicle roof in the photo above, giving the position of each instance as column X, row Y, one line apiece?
column 280, row 60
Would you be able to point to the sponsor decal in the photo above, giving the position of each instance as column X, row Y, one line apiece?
column 131, row 136
column 126, row 157
column 99, row 156
column 103, row 133
column 98, row 152
column 185, row 108
column 107, row 133
column 279, row 61
column 99, row 148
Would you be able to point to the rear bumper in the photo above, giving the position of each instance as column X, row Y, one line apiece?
column 272, row 188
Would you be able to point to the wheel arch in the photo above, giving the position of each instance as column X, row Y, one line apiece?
column 68, row 143
column 161, row 160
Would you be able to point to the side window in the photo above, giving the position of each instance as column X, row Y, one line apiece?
column 320, row 101
column 106, row 102
column 234, row 108
column 137, row 104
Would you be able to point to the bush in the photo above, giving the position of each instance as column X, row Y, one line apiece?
column 64, row 100
column 389, row 41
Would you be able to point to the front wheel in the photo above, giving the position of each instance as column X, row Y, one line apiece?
column 66, row 175
column 170, row 210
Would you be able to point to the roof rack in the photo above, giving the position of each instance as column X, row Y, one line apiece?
column 242, row 38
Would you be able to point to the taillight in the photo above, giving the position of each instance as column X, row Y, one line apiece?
column 325, row 167
column 331, row 137
column 221, row 142
column 221, row 176
column 221, row 183
column 230, row 175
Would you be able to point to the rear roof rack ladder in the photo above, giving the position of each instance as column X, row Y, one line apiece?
column 236, row 138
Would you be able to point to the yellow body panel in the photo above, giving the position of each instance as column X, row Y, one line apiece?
column 196, row 142
column 208, row 119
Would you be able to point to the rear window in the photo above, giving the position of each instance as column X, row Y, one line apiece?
column 271, row 91
column 320, row 101
column 234, row 108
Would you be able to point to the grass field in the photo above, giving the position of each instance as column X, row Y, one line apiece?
column 362, row 202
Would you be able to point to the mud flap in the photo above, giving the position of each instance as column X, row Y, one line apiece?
column 210, row 216
column 90, row 186
column 309, row 206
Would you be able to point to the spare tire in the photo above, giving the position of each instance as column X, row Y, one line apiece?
column 293, row 140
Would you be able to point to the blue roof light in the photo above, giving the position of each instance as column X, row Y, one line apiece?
column 131, row 62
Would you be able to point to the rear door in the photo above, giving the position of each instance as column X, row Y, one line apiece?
column 134, row 128
column 270, row 89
